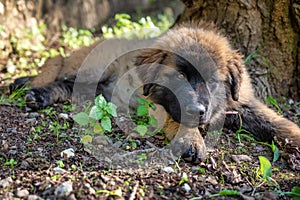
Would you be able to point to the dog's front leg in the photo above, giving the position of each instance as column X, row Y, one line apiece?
column 186, row 142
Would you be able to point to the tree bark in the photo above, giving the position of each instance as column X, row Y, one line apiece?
column 267, row 31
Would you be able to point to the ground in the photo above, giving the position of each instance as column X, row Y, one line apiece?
column 34, row 167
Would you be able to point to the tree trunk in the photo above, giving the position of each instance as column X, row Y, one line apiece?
column 265, row 31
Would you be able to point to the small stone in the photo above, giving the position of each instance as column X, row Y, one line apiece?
column 186, row 187
column 11, row 130
column 291, row 101
column 33, row 197
column 169, row 170
column 31, row 120
column 59, row 170
column 91, row 190
column 6, row 182
column 64, row 190
column 24, row 164
column 63, row 116
column 33, row 115
column 67, row 153
column 100, row 140
column 22, row 193
column 117, row 144
column 212, row 180
column 240, row 158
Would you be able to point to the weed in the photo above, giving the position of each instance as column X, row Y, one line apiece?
column 272, row 101
column 144, row 28
column 252, row 55
column 184, row 178
column 60, row 163
column 102, row 111
column 274, row 148
column 11, row 163
column 146, row 123
column 75, row 37
column 226, row 192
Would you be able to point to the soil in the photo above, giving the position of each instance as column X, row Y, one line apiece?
column 34, row 167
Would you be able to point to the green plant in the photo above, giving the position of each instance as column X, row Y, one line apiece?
column 240, row 130
column 146, row 27
column 295, row 193
column 102, row 111
column 11, row 163
column 226, row 192
column 75, row 38
column 184, row 178
column 16, row 97
column 60, row 163
column 274, row 148
column 146, row 123
column 272, row 101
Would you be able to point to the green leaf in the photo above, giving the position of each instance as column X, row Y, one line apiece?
column 265, row 167
column 98, row 128
column 96, row 113
column 111, row 109
column 226, row 192
column 100, row 101
column 86, row 139
column 106, row 123
column 153, row 121
column 141, row 129
column 142, row 111
column 275, row 152
column 141, row 101
column 81, row 118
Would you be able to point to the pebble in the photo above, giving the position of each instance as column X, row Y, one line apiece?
column 59, row 170
column 34, row 197
column 6, row 182
column 186, row 187
column 11, row 130
column 169, row 170
column 100, row 140
column 31, row 120
column 22, row 193
column 63, row 116
column 33, row 115
column 91, row 190
column 240, row 158
column 64, row 190
column 291, row 101
column 67, row 153
column 117, row 144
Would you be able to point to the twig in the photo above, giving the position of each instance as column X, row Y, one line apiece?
column 132, row 195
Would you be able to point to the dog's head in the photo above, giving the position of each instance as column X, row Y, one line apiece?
column 188, row 82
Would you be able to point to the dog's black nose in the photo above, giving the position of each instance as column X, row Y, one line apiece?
column 195, row 109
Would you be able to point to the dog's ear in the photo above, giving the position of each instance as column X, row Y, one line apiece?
column 148, row 67
column 235, row 72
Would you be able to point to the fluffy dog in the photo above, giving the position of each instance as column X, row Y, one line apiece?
column 191, row 71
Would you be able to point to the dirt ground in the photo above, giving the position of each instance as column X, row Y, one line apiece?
column 33, row 166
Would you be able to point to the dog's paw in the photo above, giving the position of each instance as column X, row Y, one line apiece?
column 37, row 98
column 190, row 147
column 19, row 83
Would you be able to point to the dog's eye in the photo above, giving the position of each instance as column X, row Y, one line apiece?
column 181, row 75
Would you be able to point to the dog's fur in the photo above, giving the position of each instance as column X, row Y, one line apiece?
column 191, row 71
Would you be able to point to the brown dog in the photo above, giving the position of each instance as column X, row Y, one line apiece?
column 191, row 71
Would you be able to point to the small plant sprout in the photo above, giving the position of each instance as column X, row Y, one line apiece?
column 265, row 169
column 11, row 163
column 184, row 179
column 272, row 101
column 226, row 192
column 99, row 117
column 146, row 123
